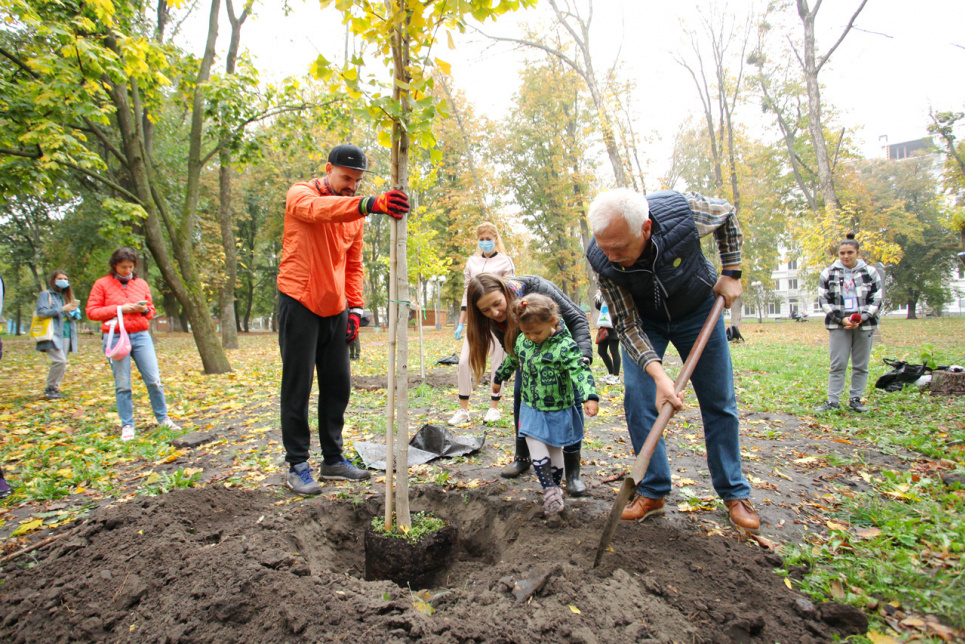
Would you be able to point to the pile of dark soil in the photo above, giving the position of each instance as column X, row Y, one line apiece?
column 224, row 565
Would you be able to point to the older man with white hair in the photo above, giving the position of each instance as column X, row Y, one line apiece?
column 660, row 288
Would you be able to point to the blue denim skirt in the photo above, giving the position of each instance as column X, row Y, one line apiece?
column 555, row 428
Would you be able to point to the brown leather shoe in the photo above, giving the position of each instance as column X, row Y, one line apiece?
column 641, row 508
column 743, row 516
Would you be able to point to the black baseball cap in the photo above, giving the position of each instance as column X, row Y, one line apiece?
column 348, row 156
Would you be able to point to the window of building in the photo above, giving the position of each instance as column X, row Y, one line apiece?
column 817, row 305
column 792, row 265
column 777, row 285
column 749, row 310
column 792, row 285
column 774, row 308
column 961, row 272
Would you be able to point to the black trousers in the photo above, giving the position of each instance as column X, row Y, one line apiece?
column 310, row 343
column 611, row 345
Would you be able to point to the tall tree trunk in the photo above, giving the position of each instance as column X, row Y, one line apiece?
column 811, row 66
column 226, row 300
column 182, row 276
column 581, row 39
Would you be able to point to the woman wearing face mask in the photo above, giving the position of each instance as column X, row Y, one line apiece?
column 58, row 303
column 123, row 288
column 490, row 257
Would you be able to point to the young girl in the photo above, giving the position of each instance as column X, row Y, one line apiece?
column 551, row 366
column 488, row 299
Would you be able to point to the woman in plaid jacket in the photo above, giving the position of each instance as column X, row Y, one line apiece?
column 850, row 293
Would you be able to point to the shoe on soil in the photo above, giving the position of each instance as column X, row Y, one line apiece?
column 300, row 480
column 610, row 380
column 167, row 423
column 5, row 489
column 492, row 416
column 743, row 516
column 855, row 405
column 552, row 500
column 459, row 418
column 642, row 508
column 127, row 433
column 827, row 406
column 52, row 394
column 343, row 471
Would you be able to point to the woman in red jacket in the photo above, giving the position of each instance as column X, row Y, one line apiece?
column 123, row 288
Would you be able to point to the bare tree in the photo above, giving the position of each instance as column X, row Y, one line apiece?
column 811, row 64
column 578, row 28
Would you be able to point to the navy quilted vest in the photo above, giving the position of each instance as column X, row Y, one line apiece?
column 680, row 278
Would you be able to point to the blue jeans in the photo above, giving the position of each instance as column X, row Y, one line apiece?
column 142, row 350
column 713, row 380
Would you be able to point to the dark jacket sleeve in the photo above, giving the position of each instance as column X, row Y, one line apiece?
column 573, row 315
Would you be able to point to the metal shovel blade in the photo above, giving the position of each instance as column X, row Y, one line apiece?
column 623, row 497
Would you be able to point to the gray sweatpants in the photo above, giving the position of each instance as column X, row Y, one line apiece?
column 58, row 367
column 856, row 345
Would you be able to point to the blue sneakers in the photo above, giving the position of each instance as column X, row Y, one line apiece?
column 343, row 471
column 301, row 481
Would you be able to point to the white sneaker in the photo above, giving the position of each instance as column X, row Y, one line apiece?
column 170, row 424
column 127, row 432
column 460, row 417
column 492, row 416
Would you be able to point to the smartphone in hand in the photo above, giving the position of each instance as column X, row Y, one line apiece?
column 142, row 303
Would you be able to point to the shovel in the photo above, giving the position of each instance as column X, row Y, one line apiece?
column 656, row 432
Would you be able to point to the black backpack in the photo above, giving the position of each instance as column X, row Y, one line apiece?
column 734, row 334
column 901, row 374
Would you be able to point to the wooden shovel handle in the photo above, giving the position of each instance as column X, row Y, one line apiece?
column 666, row 413
column 629, row 487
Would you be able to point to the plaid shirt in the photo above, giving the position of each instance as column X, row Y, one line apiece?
column 711, row 216
column 867, row 284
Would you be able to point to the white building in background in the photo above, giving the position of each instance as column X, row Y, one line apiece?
column 789, row 293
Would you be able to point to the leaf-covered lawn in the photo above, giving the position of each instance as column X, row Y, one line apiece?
column 895, row 548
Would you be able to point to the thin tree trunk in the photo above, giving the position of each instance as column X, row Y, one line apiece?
column 812, row 66
column 229, row 325
column 400, row 181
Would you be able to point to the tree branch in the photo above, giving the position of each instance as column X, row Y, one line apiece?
column 529, row 43
column 107, row 182
column 19, row 63
column 21, row 153
column 254, row 119
column 824, row 58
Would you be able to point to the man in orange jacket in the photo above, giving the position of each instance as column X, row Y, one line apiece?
column 320, row 308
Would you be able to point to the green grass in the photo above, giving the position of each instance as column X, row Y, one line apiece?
column 914, row 564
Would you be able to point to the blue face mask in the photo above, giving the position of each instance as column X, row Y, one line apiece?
column 125, row 278
column 61, row 284
column 487, row 245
